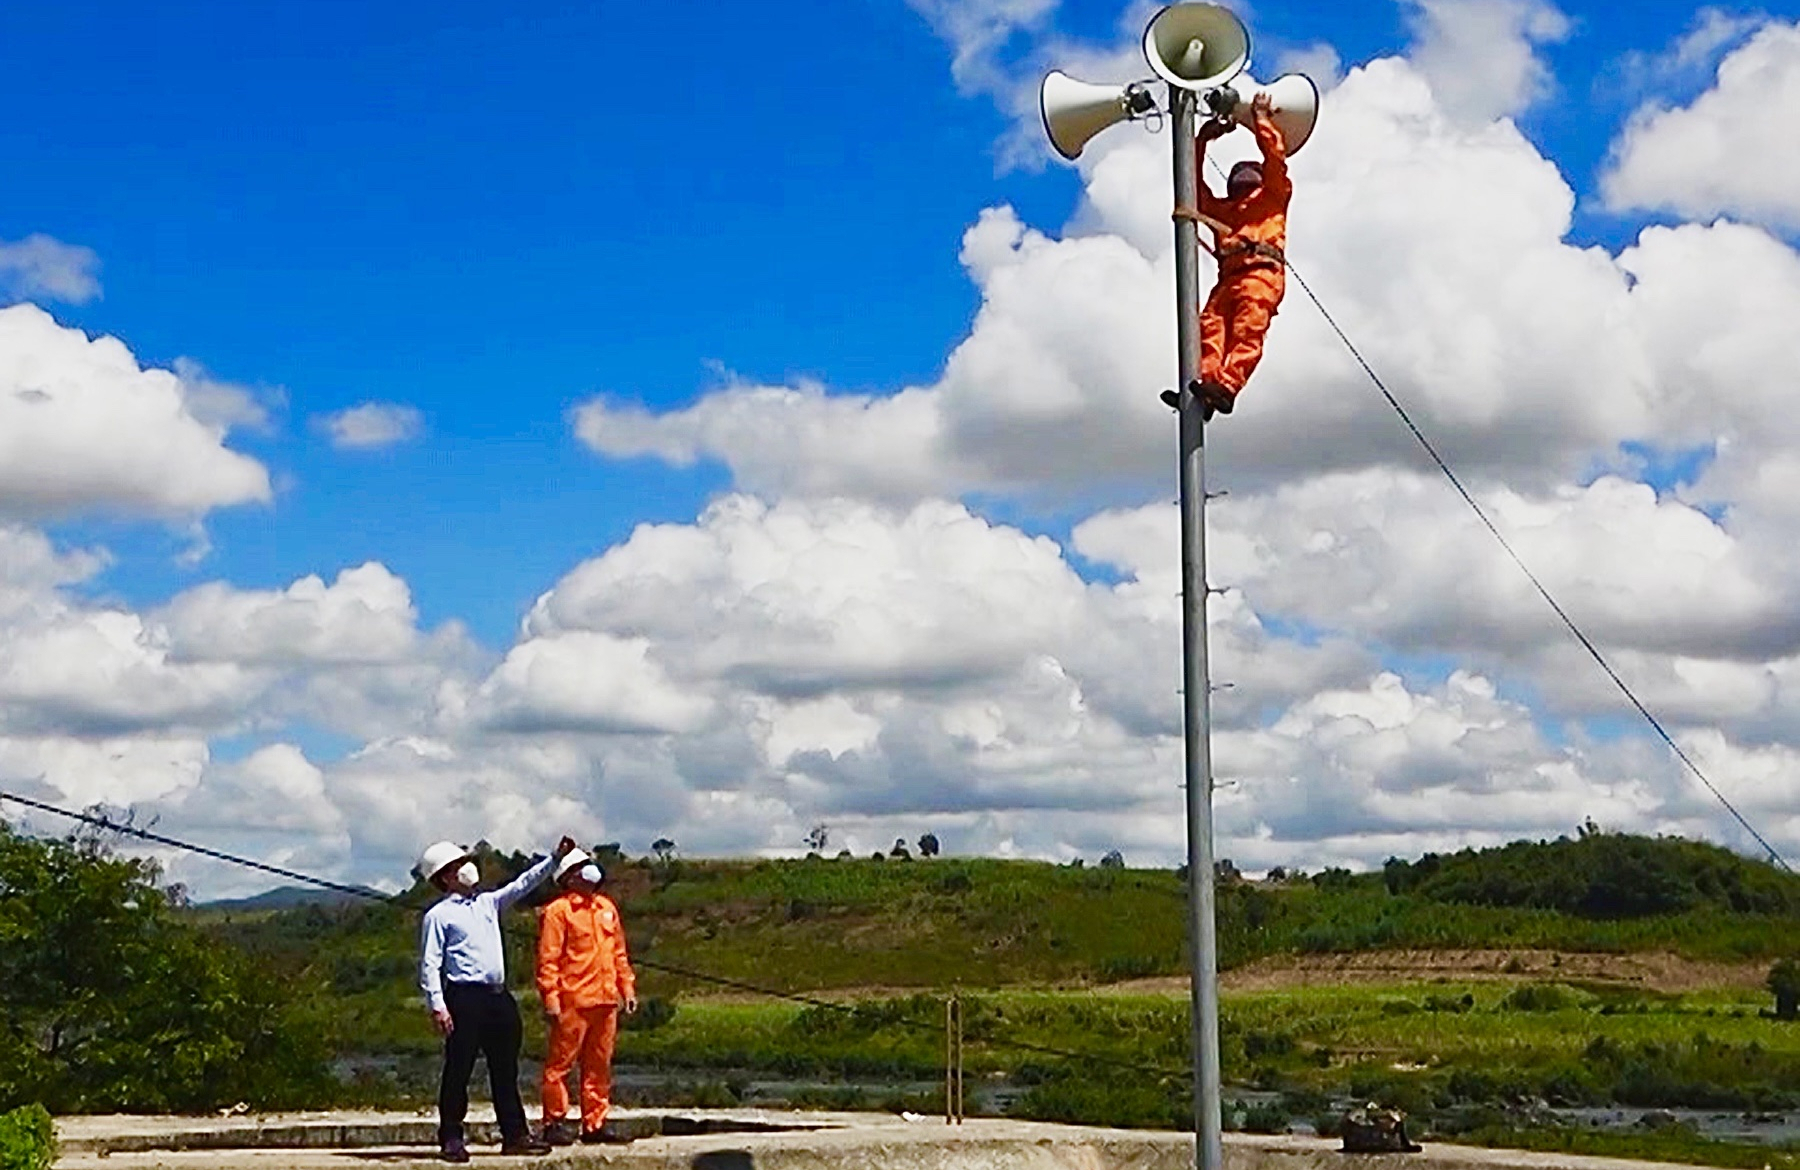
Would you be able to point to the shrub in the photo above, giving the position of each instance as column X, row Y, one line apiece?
column 1784, row 983
column 1538, row 997
column 27, row 1139
column 1127, row 1102
column 1267, row 1117
column 652, row 1014
column 109, row 1001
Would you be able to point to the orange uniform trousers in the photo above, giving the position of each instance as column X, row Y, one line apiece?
column 1234, row 321
column 583, row 1036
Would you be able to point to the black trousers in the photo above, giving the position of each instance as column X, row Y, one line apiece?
column 485, row 1022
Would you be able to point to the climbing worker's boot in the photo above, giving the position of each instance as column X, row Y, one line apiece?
column 1204, row 394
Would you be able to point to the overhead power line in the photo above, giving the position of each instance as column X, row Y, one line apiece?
column 129, row 830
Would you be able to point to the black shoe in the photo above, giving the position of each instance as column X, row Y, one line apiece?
column 1199, row 390
column 453, row 1150
column 606, row 1135
column 1170, row 399
column 1219, row 398
column 526, row 1145
column 560, row 1132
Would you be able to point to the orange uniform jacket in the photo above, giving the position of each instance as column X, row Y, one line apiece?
column 1252, row 275
column 1260, row 219
column 581, row 959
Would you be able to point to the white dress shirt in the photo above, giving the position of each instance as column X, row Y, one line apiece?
column 460, row 939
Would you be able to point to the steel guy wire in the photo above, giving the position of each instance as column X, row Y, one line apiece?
column 1543, row 590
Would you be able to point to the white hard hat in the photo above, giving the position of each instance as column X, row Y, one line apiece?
column 573, row 860
column 438, row 858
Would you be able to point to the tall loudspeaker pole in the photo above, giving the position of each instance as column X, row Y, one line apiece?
column 1197, row 49
column 1196, row 679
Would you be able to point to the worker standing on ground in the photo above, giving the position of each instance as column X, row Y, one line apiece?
column 462, row 971
column 584, row 976
column 1249, row 234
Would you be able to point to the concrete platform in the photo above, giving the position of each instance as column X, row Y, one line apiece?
column 731, row 1139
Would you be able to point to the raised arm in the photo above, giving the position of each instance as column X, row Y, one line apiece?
column 523, row 884
column 1270, row 142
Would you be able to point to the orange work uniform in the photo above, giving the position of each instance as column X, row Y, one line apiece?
column 1252, row 275
column 583, row 974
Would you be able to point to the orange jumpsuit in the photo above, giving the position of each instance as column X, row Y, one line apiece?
column 583, row 974
column 1251, row 281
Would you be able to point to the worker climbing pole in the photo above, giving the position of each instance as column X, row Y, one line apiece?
column 1199, row 50
column 1249, row 228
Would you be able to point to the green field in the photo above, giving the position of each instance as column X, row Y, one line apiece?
column 1432, row 1044
column 1033, row 948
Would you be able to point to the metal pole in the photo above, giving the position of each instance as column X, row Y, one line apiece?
column 1196, row 689
column 949, row 1059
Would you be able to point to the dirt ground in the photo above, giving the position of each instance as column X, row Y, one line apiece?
column 1652, row 971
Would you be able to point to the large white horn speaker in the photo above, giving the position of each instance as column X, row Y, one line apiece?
column 1293, row 96
column 1196, row 46
column 1075, row 111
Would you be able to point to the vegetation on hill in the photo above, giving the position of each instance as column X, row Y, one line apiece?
column 818, row 924
column 1028, row 937
column 1601, row 875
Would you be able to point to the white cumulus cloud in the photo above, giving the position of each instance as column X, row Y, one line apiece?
column 372, row 425
column 1725, row 152
column 39, row 267
column 83, row 427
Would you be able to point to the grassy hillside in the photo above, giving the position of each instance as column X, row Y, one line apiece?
column 821, row 924
column 1033, row 947
column 864, row 925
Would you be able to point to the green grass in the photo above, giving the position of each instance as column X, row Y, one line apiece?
column 1426, row 1047
column 1025, row 940
column 1420, row 1046
column 1673, row 1144
column 824, row 924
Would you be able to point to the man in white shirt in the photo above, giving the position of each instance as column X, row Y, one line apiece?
column 462, row 971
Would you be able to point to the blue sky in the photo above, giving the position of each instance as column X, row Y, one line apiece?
column 496, row 219
column 492, row 216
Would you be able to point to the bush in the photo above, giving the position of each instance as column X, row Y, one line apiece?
column 27, row 1139
column 1538, row 997
column 652, row 1014
column 1125, row 1102
column 1784, row 982
column 109, row 1001
column 1265, row 1118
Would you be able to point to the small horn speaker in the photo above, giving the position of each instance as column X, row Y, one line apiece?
column 1196, row 46
column 1074, row 111
column 1294, row 100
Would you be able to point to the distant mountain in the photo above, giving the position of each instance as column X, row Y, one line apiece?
column 282, row 898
